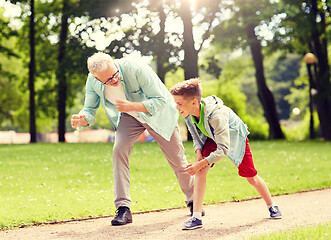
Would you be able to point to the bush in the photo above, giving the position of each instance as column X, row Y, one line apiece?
column 258, row 128
column 300, row 130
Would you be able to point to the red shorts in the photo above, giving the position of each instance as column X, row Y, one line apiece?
column 245, row 169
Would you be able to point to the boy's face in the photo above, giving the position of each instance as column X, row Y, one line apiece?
column 185, row 105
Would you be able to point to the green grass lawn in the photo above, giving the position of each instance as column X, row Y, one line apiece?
column 54, row 182
column 320, row 232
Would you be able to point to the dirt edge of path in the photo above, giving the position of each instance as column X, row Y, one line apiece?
column 154, row 211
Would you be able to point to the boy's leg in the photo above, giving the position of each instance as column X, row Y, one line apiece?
column 173, row 150
column 127, row 133
column 200, row 189
column 262, row 188
column 201, row 177
column 246, row 169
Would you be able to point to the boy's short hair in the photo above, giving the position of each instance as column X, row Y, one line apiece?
column 188, row 88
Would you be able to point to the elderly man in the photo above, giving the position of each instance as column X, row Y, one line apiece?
column 134, row 100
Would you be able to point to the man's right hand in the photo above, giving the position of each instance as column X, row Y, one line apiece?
column 78, row 120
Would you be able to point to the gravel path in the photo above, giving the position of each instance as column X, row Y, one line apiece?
column 233, row 220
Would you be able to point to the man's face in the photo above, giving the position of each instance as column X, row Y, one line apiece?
column 110, row 76
column 185, row 105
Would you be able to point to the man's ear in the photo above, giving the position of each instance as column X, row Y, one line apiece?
column 195, row 102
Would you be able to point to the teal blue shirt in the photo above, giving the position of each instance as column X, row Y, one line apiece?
column 140, row 84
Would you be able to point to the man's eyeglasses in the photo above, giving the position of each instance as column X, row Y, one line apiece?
column 109, row 80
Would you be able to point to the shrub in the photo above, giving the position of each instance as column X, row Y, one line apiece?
column 258, row 128
column 300, row 130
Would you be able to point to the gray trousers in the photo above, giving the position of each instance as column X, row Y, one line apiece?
column 127, row 133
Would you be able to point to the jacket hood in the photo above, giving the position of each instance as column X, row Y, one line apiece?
column 211, row 104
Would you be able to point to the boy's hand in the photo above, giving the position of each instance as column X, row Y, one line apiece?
column 78, row 120
column 195, row 167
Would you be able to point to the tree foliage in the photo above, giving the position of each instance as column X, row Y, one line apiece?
column 315, row 17
column 239, row 30
column 143, row 26
column 73, row 64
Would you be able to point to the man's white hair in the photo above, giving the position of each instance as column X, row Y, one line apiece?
column 98, row 62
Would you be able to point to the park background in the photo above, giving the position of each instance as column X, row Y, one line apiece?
column 248, row 53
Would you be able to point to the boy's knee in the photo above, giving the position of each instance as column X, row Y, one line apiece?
column 252, row 180
column 202, row 173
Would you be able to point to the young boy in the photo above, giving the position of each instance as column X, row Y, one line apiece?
column 217, row 132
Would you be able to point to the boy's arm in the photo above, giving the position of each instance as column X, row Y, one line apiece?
column 220, row 123
column 198, row 154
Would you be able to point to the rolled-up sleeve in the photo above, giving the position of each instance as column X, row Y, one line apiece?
column 149, row 81
column 91, row 104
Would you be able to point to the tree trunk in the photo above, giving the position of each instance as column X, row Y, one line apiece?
column 191, row 69
column 160, row 57
column 33, row 131
column 264, row 93
column 323, row 97
column 61, row 73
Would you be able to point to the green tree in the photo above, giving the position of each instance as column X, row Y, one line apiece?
column 207, row 11
column 282, row 71
column 10, row 72
column 32, row 66
column 149, row 41
column 69, row 10
column 59, row 54
column 306, row 28
column 163, row 45
column 239, row 31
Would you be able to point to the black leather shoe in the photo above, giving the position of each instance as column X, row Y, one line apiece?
column 123, row 216
column 190, row 205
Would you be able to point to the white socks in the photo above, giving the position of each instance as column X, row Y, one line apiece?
column 197, row 215
column 273, row 204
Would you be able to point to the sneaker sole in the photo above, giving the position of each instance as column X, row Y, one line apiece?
column 120, row 224
column 192, row 228
column 276, row 217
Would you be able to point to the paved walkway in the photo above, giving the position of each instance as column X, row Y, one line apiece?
column 234, row 220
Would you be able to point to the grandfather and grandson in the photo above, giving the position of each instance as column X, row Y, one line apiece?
column 135, row 100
